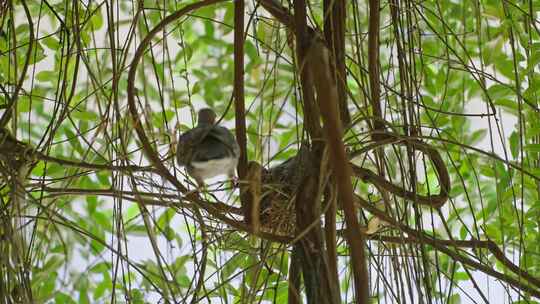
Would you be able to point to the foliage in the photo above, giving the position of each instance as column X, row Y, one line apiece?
column 86, row 217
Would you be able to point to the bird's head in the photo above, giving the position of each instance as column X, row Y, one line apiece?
column 206, row 117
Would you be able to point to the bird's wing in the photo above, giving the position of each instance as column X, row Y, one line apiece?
column 210, row 148
column 225, row 136
column 188, row 142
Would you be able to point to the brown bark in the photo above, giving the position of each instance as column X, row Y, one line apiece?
column 334, row 33
column 327, row 96
column 239, row 101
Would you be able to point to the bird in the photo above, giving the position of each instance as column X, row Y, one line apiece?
column 207, row 150
column 279, row 185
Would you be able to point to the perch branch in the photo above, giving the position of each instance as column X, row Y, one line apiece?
column 148, row 198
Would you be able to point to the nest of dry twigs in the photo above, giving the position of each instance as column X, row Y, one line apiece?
column 273, row 193
column 277, row 214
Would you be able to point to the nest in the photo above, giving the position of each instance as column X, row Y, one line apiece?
column 278, row 187
column 14, row 153
column 277, row 214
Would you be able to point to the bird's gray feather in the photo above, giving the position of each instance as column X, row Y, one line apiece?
column 205, row 143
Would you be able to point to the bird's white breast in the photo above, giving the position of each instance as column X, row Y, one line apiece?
column 214, row 167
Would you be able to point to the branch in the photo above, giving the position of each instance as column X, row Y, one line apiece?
column 91, row 166
column 435, row 201
column 294, row 276
column 334, row 31
column 279, row 12
column 442, row 246
column 239, row 100
column 319, row 62
column 304, row 39
column 149, row 198
column 373, row 66
column 8, row 109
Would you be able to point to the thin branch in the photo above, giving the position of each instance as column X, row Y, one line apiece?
column 8, row 110
column 443, row 247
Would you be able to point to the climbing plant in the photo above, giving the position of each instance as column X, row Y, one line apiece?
column 389, row 151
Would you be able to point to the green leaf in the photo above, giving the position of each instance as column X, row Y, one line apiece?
column 96, row 247
column 535, row 148
column 51, row 42
column 23, row 30
column 477, row 136
column 46, row 76
column 102, row 219
column 454, row 299
column 97, row 20
column 165, row 218
column 73, row 140
column 62, row 298
column 46, row 290
column 183, row 280
column 23, row 104
column 499, row 91
column 251, row 51
column 461, row 276
column 131, row 212
column 136, row 296
column 102, row 287
column 37, row 55
column 534, row 58
column 136, row 230
column 82, row 287
column 101, row 267
column 85, row 115
column 53, row 263
column 209, row 28
column 508, row 104
column 514, row 144
column 185, row 55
